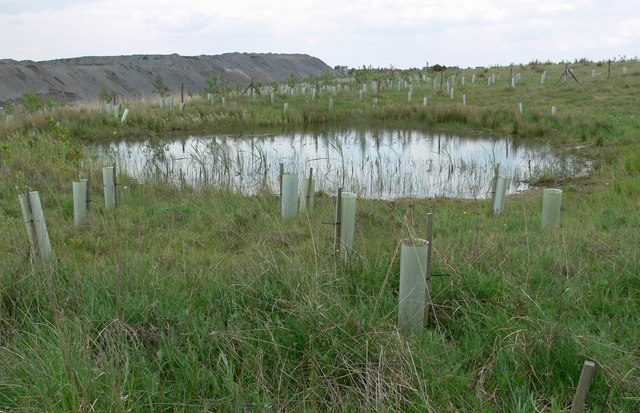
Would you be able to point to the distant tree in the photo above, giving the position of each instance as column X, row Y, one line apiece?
column 326, row 78
column 31, row 102
column 51, row 103
column 8, row 107
column 160, row 87
column 217, row 84
column 363, row 75
column 292, row 81
column 107, row 95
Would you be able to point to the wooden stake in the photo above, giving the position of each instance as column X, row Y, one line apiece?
column 583, row 386
column 429, row 238
column 427, row 275
column 115, row 184
column 280, row 178
column 338, row 222
column 88, row 189
column 606, row 399
column 494, row 185
column 181, row 92
column 309, row 186
column 565, row 75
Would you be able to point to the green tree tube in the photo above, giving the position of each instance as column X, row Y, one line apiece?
column 307, row 193
column 79, row 201
column 551, row 201
column 109, row 187
column 125, row 114
column 413, row 285
column 347, row 222
column 289, row 195
column 39, row 226
column 500, row 196
column 28, row 221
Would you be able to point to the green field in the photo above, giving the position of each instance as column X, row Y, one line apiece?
column 196, row 300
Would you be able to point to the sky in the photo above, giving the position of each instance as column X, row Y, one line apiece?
column 355, row 33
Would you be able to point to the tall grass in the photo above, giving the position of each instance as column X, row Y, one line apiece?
column 203, row 300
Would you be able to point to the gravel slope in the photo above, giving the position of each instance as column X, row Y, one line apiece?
column 83, row 78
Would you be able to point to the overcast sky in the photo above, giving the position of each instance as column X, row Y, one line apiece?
column 380, row 33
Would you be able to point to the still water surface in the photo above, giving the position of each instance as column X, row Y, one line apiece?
column 383, row 164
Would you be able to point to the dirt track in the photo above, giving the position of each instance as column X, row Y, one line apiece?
column 83, row 78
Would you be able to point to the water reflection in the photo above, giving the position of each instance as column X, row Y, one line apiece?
column 385, row 164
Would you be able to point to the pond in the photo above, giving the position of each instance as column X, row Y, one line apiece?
column 381, row 164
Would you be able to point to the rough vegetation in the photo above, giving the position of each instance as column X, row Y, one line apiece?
column 197, row 300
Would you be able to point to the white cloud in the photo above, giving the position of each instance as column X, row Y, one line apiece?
column 9, row 7
column 496, row 15
column 181, row 21
column 554, row 7
column 404, row 33
column 629, row 28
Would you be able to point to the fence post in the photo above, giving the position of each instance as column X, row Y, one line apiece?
column 583, row 386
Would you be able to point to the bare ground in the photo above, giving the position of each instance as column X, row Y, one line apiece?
column 83, row 78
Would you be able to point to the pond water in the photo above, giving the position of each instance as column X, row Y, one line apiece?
column 382, row 164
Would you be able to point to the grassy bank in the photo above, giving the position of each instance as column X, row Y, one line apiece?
column 201, row 300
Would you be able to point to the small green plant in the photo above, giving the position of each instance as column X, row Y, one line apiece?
column 107, row 96
column 632, row 163
column 326, row 79
column 160, row 87
column 363, row 75
column 4, row 154
column 31, row 102
column 74, row 152
column 9, row 108
column 292, row 81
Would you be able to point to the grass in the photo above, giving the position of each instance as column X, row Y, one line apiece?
column 201, row 300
